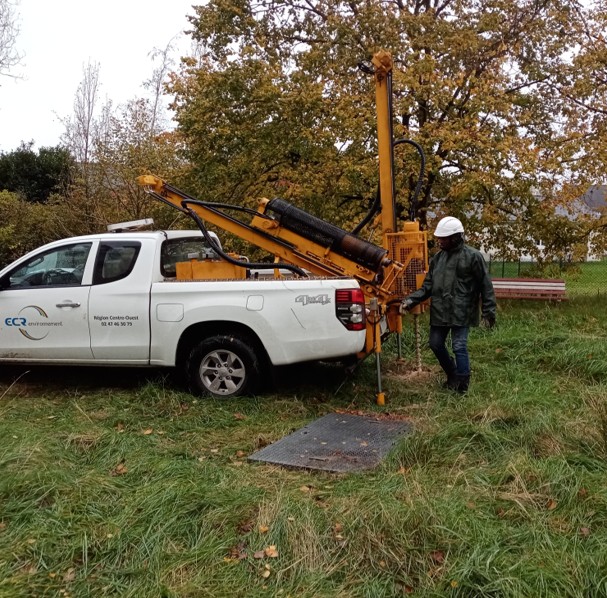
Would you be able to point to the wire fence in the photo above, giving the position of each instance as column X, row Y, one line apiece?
column 581, row 278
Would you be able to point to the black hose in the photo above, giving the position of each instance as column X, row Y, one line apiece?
column 230, row 260
column 375, row 207
column 420, row 180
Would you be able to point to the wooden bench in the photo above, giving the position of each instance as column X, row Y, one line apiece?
column 547, row 289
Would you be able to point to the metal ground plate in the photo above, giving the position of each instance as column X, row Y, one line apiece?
column 337, row 442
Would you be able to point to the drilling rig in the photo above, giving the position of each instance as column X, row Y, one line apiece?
column 306, row 245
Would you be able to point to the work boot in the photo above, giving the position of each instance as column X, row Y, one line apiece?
column 463, row 382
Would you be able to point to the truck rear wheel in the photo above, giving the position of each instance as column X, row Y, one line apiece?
column 223, row 366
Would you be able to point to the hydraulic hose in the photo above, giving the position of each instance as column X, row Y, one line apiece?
column 231, row 260
column 420, row 179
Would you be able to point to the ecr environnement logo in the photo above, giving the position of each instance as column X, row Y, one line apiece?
column 32, row 322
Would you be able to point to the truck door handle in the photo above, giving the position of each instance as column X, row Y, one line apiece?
column 68, row 304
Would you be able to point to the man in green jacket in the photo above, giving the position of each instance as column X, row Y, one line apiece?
column 457, row 282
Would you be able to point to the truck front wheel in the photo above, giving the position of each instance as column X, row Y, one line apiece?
column 223, row 366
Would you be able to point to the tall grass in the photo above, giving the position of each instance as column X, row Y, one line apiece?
column 116, row 483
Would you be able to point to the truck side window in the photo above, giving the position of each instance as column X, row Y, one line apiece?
column 115, row 260
column 182, row 250
column 63, row 266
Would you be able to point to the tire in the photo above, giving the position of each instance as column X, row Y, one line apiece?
column 223, row 366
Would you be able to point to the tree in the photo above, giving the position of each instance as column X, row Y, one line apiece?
column 35, row 176
column 507, row 98
column 25, row 225
column 9, row 56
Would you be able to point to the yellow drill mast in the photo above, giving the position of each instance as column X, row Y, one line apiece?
column 386, row 274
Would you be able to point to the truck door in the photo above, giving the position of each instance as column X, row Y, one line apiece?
column 44, row 307
column 120, row 301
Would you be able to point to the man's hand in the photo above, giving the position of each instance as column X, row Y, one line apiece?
column 488, row 321
column 406, row 305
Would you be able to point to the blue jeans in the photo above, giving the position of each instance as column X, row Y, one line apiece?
column 459, row 344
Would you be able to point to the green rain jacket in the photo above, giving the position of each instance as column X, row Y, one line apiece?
column 457, row 281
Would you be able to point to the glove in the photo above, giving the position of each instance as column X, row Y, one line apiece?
column 488, row 321
column 406, row 305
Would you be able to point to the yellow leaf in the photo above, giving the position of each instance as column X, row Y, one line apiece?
column 263, row 529
column 271, row 552
column 265, row 573
column 148, row 431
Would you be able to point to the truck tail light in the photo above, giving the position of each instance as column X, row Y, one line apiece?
column 350, row 308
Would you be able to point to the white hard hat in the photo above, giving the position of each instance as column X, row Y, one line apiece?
column 448, row 226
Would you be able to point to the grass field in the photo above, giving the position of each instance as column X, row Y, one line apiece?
column 587, row 278
column 117, row 483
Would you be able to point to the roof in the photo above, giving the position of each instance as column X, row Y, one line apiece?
column 595, row 199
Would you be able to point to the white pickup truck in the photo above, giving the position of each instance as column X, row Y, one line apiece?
column 112, row 299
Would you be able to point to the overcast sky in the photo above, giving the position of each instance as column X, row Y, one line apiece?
column 58, row 37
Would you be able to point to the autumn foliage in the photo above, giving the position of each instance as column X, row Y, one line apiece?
column 507, row 98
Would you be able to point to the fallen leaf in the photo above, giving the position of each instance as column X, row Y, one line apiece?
column 70, row 574
column 240, row 454
column 239, row 416
column 551, row 504
column 259, row 554
column 585, row 532
column 305, row 488
column 271, row 552
column 454, row 583
column 265, row 573
column 148, row 431
column 214, row 450
column 338, row 527
column 245, row 527
column 582, row 493
column 120, row 469
column 264, row 529
column 438, row 556
column 238, row 552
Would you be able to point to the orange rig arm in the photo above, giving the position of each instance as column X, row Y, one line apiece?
column 295, row 237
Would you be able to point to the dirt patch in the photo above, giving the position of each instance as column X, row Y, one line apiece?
column 406, row 370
